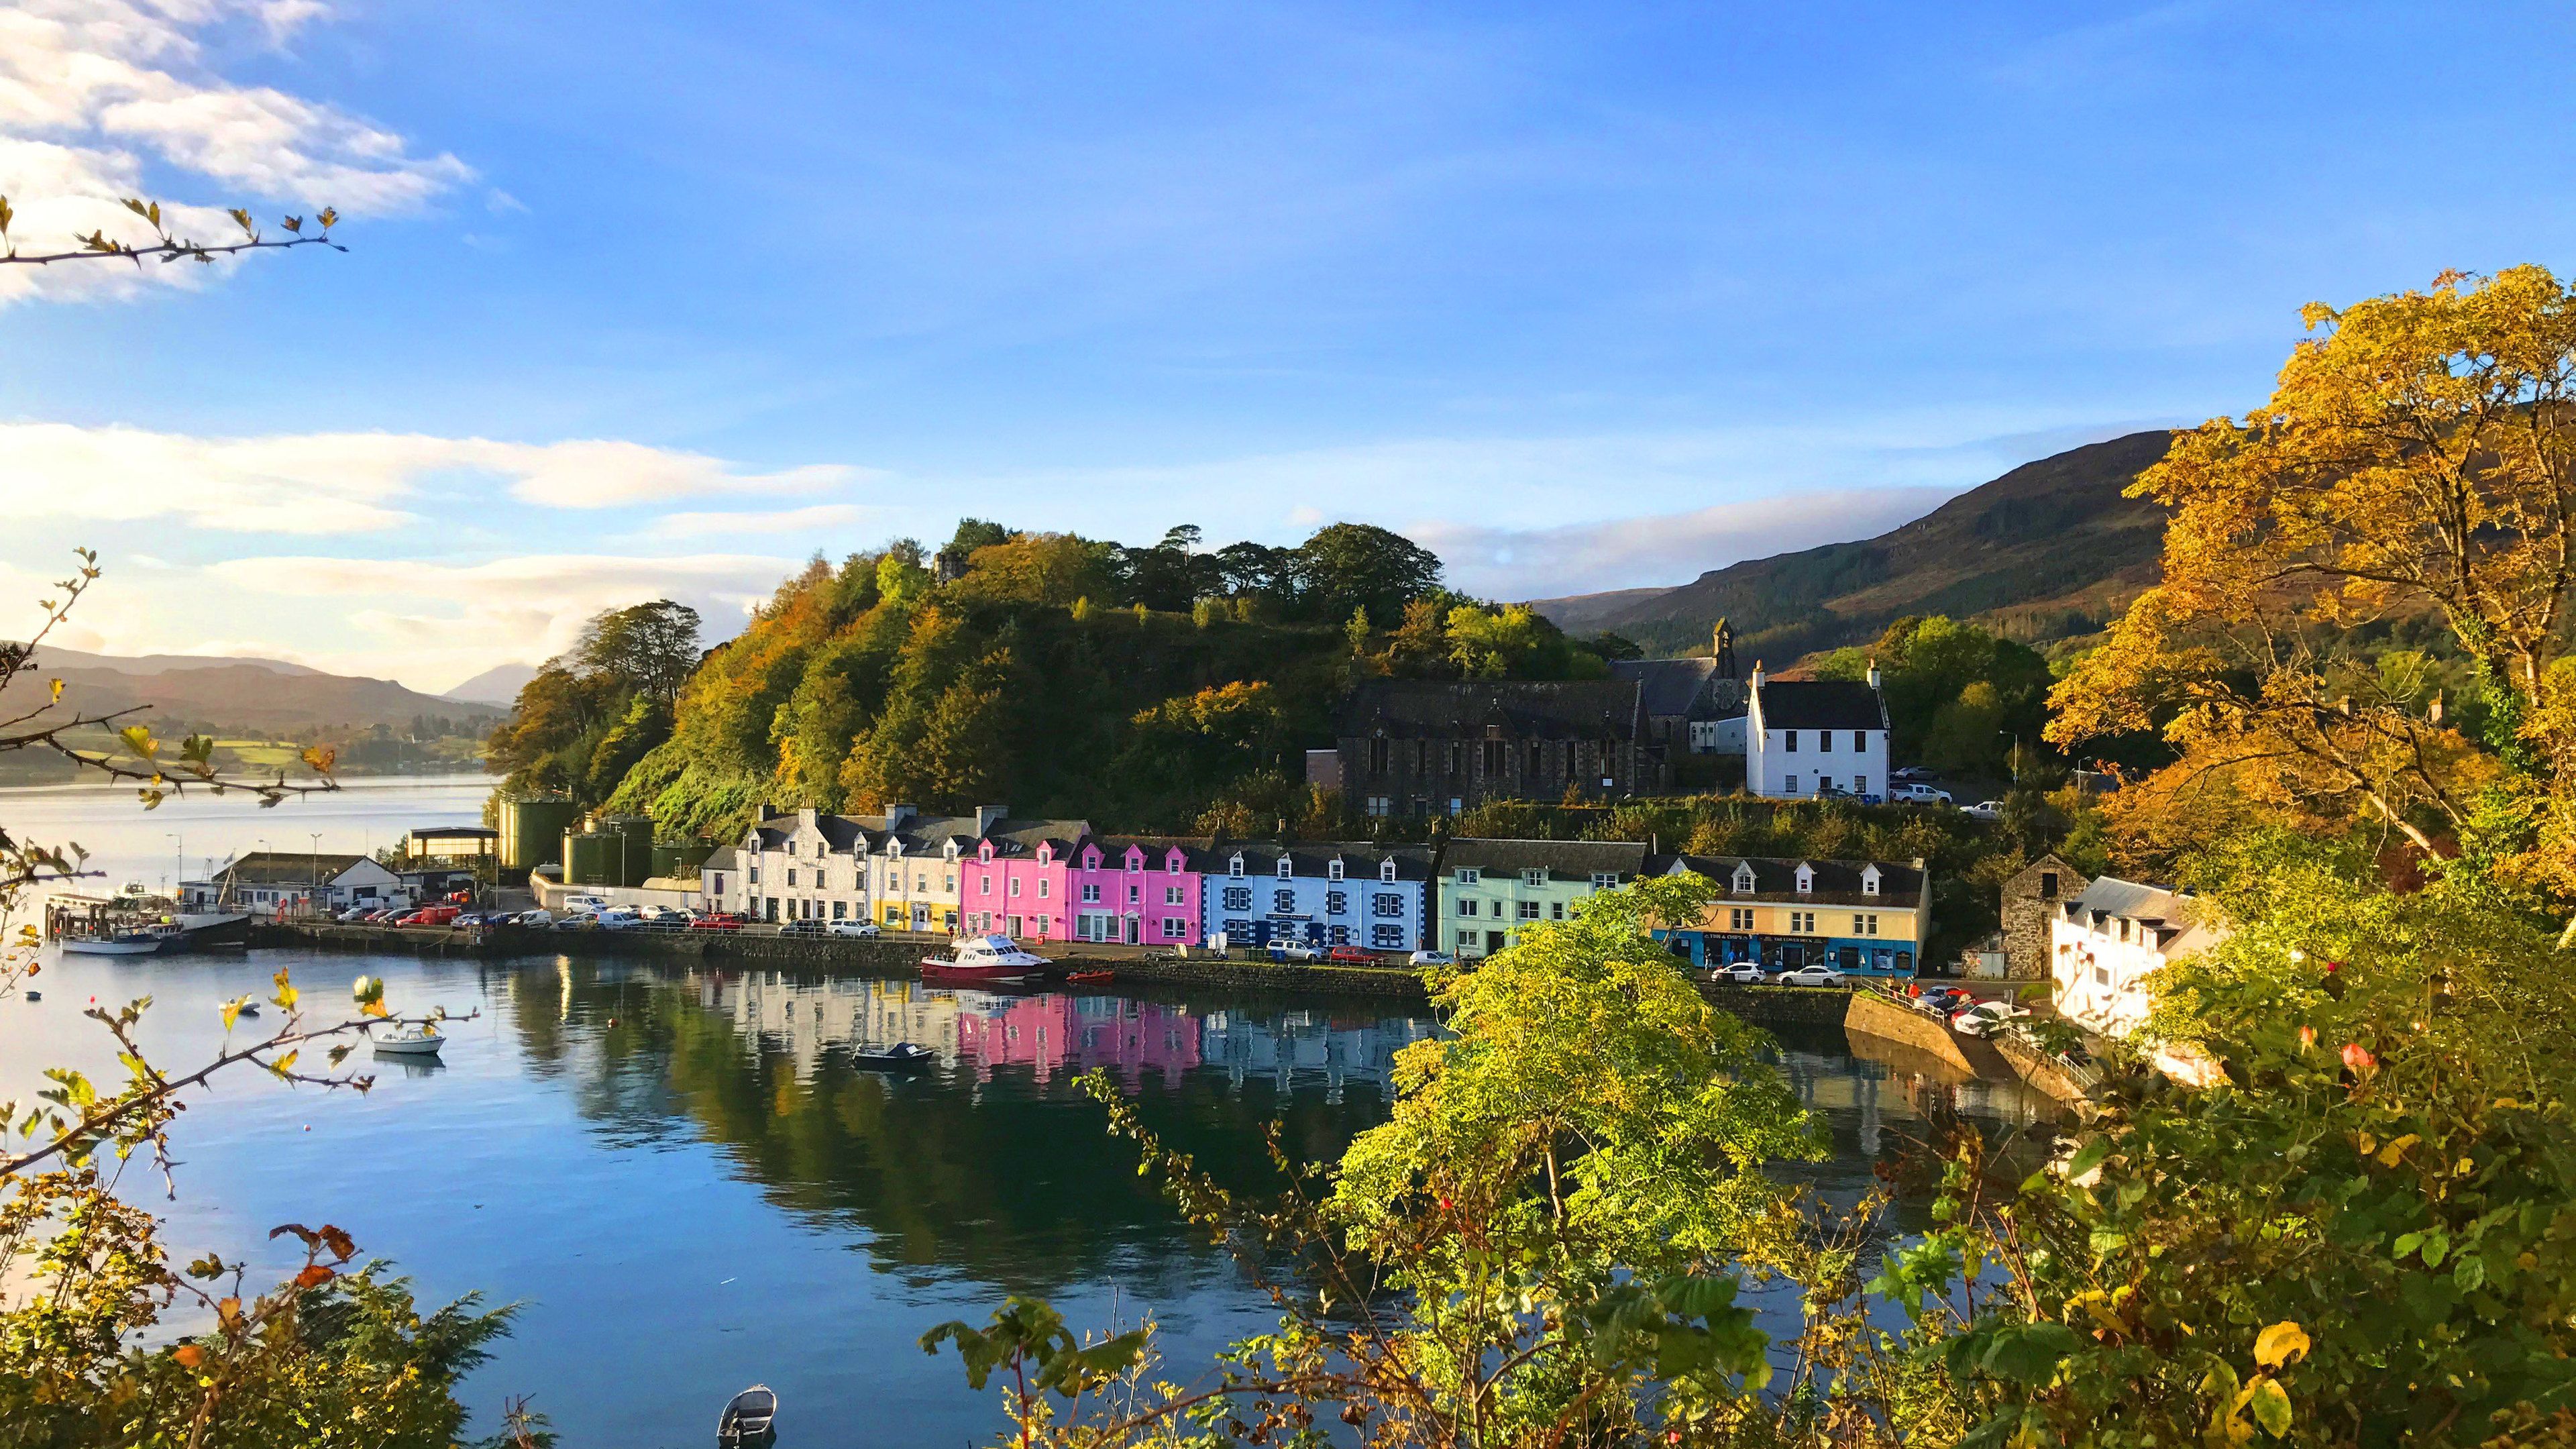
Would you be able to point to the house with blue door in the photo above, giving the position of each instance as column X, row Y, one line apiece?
column 1861, row 917
column 1326, row 893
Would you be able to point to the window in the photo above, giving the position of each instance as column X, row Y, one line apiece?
column 1533, row 877
column 1740, row 918
column 1495, row 757
column 719, row 884
column 1386, row 938
column 1337, row 903
column 1824, row 742
column 791, row 875
column 1174, row 928
column 1802, row 923
column 1469, row 875
column 1466, row 943
column 1528, row 910
column 1377, row 758
column 1790, row 740
column 1467, row 906
column 2124, row 928
column 1341, row 935
column 838, row 909
column 1174, row 896
column 1090, row 895
column 1556, row 910
column 1042, row 887
column 1135, row 894
column 2047, row 885
column 1234, row 865
column 1238, row 898
column 1869, row 881
column 1790, row 785
column 948, row 883
column 1013, row 888
column 1744, row 880
column 1860, row 741
column 1386, row 903
column 1806, row 881
column 1605, row 880
column 755, row 875
column 1381, row 805
column 791, row 847
column 921, row 884
column 1283, row 903
column 1239, row 932
column 1333, row 869
column 1864, row 925
column 1283, row 867
column 2101, row 975
column 987, row 884
column 1173, row 865
column 1135, row 860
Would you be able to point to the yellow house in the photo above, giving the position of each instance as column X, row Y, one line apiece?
column 912, row 865
column 1861, row 917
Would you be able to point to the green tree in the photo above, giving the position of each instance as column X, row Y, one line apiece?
column 650, row 649
column 1347, row 567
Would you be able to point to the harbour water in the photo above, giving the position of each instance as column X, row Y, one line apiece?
column 688, row 1185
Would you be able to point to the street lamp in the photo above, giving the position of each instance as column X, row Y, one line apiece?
column 315, row 889
column 2015, row 737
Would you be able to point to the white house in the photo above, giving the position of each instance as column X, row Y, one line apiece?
column 1807, row 737
column 800, row 865
column 265, row 881
column 2107, row 939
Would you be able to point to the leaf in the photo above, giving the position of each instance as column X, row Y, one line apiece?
column 340, row 1244
column 2396, row 1149
column 228, row 1313
column 2281, row 1343
column 2088, row 1157
column 315, row 1276
column 189, row 1356
column 139, row 740
column 2271, row 1405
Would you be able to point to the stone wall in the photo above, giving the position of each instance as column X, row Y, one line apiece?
column 2027, row 906
column 1780, row 1005
column 1880, row 1017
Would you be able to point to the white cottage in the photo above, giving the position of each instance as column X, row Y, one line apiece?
column 2109, row 938
column 1809, row 737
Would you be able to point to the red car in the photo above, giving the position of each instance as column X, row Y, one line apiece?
column 430, row 916
column 1351, row 956
column 716, row 921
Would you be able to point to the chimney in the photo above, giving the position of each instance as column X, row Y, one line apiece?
column 807, row 815
column 988, row 816
column 1873, row 674
column 896, row 815
column 1757, row 674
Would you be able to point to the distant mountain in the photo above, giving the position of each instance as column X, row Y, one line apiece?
column 2048, row 550
column 499, row 685
column 230, row 697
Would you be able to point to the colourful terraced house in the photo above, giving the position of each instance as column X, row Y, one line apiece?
column 1017, row 880
column 1137, row 890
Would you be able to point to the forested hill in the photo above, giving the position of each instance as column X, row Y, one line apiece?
column 2048, row 550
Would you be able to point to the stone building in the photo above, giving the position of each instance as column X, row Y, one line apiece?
column 1437, row 747
column 2030, row 901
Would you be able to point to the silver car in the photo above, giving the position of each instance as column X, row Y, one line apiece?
column 1811, row 976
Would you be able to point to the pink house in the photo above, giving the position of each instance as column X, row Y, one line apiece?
column 1015, row 882
column 1136, row 890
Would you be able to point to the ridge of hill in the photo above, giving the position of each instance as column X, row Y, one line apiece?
column 243, row 696
column 2049, row 550
column 498, row 685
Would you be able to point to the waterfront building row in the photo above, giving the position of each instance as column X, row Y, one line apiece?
column 1056, row 880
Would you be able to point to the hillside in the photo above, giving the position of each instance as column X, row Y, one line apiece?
column 245, row 696
column 498, row 686
column 2047, row 550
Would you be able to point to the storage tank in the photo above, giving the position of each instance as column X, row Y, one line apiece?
column 634, row 847
column 682, row 860
column 532, row 831
column 593, row 859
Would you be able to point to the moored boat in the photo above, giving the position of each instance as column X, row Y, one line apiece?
column 1096, row 976
column 421, row 1043
column 750, row 1417
column 985, row 961
column 901, row 1054
column 122, row 943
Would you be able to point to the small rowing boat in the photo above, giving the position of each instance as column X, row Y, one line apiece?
column 901, row 1054
column 1094, row 977
column 751, row 1417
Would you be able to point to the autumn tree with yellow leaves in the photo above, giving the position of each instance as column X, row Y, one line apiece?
column 2414, row 471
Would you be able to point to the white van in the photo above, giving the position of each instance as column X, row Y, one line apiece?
column 582, row 903
column 1919, row 795
column 619, row 918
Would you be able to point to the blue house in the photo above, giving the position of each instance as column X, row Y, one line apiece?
column 1317, row 894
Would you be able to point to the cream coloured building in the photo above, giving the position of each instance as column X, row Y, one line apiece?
column 2107, row 941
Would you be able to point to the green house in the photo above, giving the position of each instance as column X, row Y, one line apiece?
column 1490, row 888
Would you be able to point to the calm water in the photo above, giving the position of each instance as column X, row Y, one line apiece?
column 689, row 1187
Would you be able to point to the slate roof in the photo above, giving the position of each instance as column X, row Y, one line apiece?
column 1525, row 709
column 1113, row 849
column 723, row 858
column 1571, row 860
column 1013, row 839
column 2176, row 911
column 1360, row 859
column 1820, row 704
column 1837, row 882
column 1667, row 687
column 288, row 867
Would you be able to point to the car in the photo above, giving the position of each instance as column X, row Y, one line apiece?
column 717, row 921
column 538, row 917
column 857, row 928
column 1984, row 810
column 1944, row 1001
column 1908, row 774
column 576, row 920
column 1919, row 794
column 1433, row 958
column 382, row 915
column 1810, row 975
column 1351, row 956
column 354, row 913
column 1294, row 951
column 1742, row 973
column 802, row 928
column 1986, row 1018
column 620, row 918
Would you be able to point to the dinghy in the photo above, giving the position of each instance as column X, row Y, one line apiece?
column 901, row 1054
column 751, row 1418
column 422, row 1043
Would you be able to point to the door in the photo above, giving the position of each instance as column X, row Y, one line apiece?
column 1135, row 931
column 1851, row 958
column 1493, row 942
column 921, row 918
column 1792, row 957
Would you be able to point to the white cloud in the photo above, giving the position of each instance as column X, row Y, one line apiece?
column 331, row 483
column 809, row 519
column 1659, row 549
column 90, row 88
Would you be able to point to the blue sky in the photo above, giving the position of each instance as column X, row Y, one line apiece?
column 663, row 297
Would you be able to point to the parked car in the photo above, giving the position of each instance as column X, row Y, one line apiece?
column 1742, row 973
column 1434, row 958
column 576, row 920
column 537, row 917
column 620, row 918
column 857, row 928
column 1984, row 810
column 1293, row 951
column 1812, row 975
column 1909, row 773
column 665, row 915
column 802, row 928
column 592, row 904
column 1986, row 1018
column 717, row 921
column 1919, row 794
column 354, row 913
column 1351, row 956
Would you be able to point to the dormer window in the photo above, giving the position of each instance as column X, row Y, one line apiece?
column 1234, row 866
column 1744, row 878
column 1046, row 854
column 1333, row 869
column 1283, row 867
column 1869, row 881
column 1469, row 875
column 1806, row 879
column 1091, row 860
column 1135, row 860
column 984, row 852
column 1386, row 870
column 1534, row 877
column 1172, row 862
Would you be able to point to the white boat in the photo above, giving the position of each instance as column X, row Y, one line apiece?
column 984, row 960
column 750, row 1418
column 422, row 1043
column 123, row 943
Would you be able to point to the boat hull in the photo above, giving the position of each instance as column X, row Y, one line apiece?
column 79, row 946
column 948, row 974
column 410, row 1047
